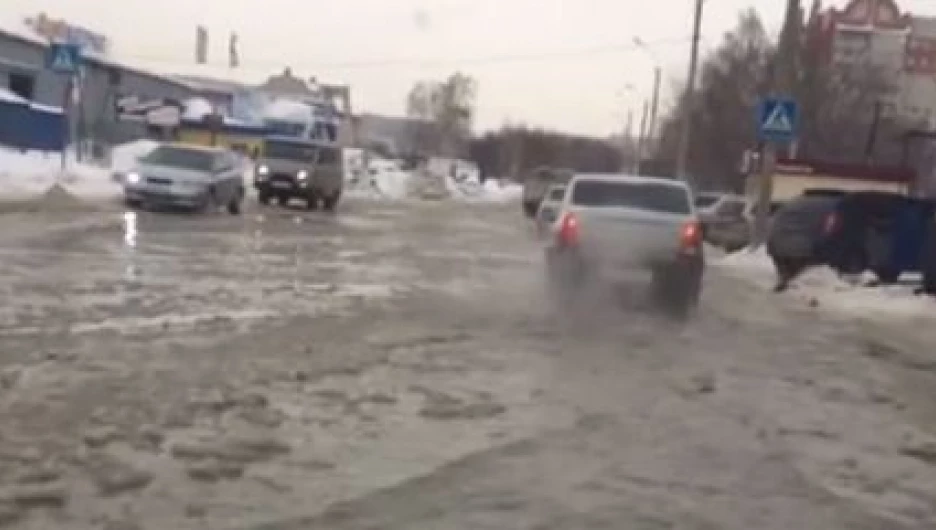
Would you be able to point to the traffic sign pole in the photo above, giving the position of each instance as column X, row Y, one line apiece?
column 65, row 59
column 768, row 165
column 66, row 124
column 777, row 123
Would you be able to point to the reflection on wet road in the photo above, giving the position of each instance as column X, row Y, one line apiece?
column 398, row 366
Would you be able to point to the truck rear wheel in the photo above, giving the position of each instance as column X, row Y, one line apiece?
column 312, row 202
column 234, row 206
column 331, row 202
column 677, row 291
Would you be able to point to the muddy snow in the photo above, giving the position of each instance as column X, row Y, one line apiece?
column 399, row 367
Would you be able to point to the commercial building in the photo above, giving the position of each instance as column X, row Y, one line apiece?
column 102, row 84
column 900, row 45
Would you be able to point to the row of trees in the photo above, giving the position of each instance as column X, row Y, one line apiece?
column 514, row 150
column 842, row 113
column 440, row 119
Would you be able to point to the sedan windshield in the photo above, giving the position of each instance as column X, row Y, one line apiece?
column 180, row 157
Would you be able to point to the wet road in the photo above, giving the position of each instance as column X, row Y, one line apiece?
column 397, row 366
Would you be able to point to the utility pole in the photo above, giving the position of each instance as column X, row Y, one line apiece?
column 689, row 99
column 627, row 142
column 641, row 140
column 655, row 101
column 781, row 77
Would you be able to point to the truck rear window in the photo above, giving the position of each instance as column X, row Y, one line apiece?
column 639, row 195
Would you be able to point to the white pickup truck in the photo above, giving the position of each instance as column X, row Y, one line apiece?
column 611, row 226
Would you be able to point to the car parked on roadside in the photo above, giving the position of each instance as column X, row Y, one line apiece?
column 549, row 209
column 884, row 233
column 535, row 184
column 297, row 168
column 880, row 232
column 706, row 201
column 612, row 226
column 187, row 176
column 800, row 232
column 725, row 222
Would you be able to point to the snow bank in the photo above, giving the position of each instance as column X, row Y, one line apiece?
column 26, row 174
column 383, row 179
column 393, row 184
column 826, row 289
column 491, row 190
column 289, row 111
column 197, row 109
column 462, row 181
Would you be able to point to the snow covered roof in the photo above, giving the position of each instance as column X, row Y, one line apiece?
column 9, row 97
column 212, row 84
column 16, row 29
column 46, row 108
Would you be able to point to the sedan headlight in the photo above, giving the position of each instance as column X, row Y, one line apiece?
column 263, row 171
column 302, row 175
column 132, row 178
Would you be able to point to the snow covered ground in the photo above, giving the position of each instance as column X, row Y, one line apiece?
column 491, row 190
column 24, row 175
column 386, row 180
column 27, row 174
column 823, row 288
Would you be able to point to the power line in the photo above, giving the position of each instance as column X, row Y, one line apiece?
column 267, row 64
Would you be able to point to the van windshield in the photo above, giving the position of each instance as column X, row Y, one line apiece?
column 294, row 151
column 300, row 152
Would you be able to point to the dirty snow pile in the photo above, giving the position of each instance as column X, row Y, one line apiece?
column 32, row 173
column 463, row 182
column 827, row 289
column 380, row 179
column 491, row 190
column 27, row 174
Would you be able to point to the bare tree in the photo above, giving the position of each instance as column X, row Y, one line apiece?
column 516, row 150
column 838, row 103
column 442, row 114
column 844, row 105
column 733, row 78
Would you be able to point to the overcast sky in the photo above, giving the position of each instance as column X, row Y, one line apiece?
column 563, row 64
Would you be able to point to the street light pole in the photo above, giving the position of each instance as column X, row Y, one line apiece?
column 657, row 74
column 688, row 99
column 654, row 102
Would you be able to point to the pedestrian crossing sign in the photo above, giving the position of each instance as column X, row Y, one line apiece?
column 777, row 120
column 63, row 58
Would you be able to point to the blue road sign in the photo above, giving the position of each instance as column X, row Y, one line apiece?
column 777, row 120
column 63, row 58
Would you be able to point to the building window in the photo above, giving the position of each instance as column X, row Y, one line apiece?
column 23, row 85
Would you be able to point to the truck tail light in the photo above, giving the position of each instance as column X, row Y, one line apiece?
column 690, row 237
column 568, row 230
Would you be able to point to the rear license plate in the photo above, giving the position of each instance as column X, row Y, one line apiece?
column 281, row 185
